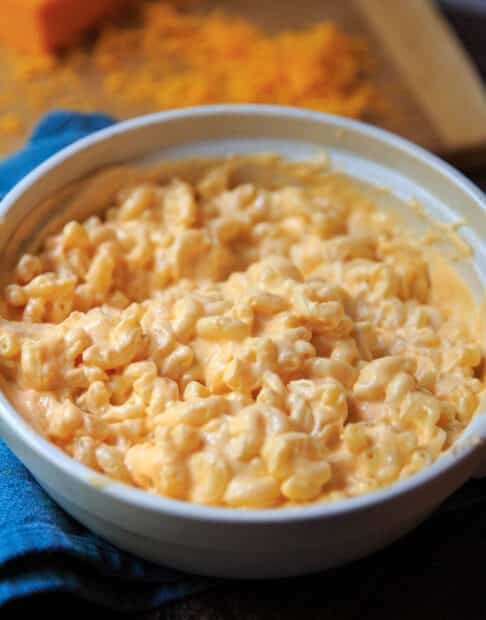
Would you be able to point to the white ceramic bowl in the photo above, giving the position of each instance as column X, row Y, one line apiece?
column 240, row 543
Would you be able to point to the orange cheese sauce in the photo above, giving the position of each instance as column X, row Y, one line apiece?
column 246, row 332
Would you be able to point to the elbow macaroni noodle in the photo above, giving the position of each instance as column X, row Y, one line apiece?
column 236, row 343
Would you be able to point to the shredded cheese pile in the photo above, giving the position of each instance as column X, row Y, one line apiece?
column 167, row 57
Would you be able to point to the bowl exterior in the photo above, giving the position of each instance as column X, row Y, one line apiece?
column 242, row 550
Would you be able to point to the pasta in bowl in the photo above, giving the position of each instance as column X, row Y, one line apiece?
column 45, row 425
column 244, row 332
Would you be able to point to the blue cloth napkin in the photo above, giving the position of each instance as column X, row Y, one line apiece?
column 41, row 548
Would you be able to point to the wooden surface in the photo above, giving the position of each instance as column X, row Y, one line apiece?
column 429, row 58
column 434, row 95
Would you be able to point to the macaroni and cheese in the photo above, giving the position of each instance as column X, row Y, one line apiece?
column 255, row 334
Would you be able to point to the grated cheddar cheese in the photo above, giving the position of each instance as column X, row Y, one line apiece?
column 166, row 57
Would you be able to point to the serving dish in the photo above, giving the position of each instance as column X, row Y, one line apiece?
column 241, row 543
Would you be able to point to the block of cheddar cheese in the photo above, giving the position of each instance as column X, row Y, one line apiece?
column 47, row 25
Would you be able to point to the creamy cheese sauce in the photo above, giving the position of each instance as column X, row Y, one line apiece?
column 246, row 332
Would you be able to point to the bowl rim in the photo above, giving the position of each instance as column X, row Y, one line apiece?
column 142, row 499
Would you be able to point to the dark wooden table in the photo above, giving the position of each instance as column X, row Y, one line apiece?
column 438, row 572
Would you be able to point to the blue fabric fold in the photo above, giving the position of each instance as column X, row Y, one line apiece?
column 55, row 131
column 42, row 549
